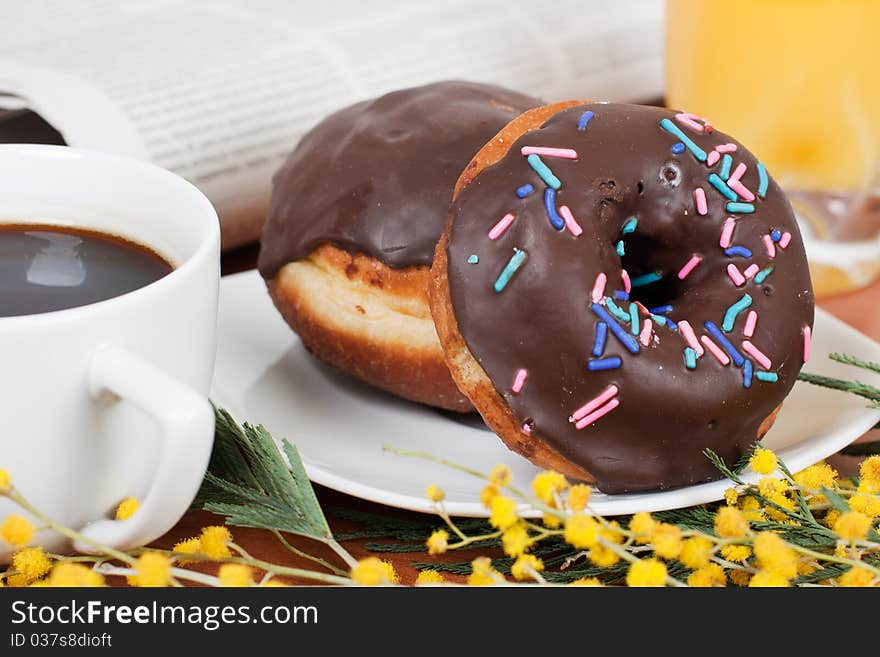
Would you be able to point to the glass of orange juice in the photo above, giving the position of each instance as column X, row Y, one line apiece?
column 796, row 81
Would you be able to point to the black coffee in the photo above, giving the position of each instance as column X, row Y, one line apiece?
column 46, row 268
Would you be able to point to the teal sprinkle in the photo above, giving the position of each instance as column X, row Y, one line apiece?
column 742, row 208
column 544, row 171
column 510, row 268
column 669, row 126
column 634, row 318
column 616, row 310
column 473, row 259
column 772, row 377
column 659, row 319
column 763, row 274
column 621, row 249
column 726, row 163
column 646, row 279
column 762, row 180
column 630, row 226
column 733, row 311
column 722, row 187
column 690, row 358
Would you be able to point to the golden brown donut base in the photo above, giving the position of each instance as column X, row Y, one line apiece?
column 369, row 320
column 472, row 380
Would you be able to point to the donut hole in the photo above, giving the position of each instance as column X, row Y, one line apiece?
column 645, row 256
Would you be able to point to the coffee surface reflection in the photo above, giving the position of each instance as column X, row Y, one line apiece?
column 46, row 268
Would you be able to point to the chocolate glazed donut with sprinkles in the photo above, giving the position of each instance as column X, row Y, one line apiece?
column 618, row 288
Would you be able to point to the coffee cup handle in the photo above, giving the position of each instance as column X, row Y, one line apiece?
column 186, row 435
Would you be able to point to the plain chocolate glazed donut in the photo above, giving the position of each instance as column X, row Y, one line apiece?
column 355, row 214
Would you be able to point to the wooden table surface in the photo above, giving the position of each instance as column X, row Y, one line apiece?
column 861, row 309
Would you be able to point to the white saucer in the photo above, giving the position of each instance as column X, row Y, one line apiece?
column 264, row 375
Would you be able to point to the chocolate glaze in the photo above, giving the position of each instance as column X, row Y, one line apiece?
column 377, row 177
column 542, row 320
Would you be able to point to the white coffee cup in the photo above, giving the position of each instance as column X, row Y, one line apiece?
column 109, row 400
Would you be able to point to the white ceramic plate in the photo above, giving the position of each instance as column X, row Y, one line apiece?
column 264, row 375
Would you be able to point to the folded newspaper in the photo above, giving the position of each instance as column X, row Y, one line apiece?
column 220, row 91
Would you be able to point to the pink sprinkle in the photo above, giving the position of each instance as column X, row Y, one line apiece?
column 526, row 429
column 594, row 403
column 519, row 380
column 627, row 285
column 502, row 225
column 689, row 266
column 573, row 226
column 645, row 335
column 688, row 334
column 715, row 349
column 751, row 321
column 726, row 148
column 751, row 270
column 735, row 274
column 599, row 287
column 690, row 120
column 595, row 415
column 737, row 173
column 741, row 189
column 727, row 232
column 807, row 338
column 757, row 354
column 771, row 248
column 566, row 153
column 785, row 239
column 700, row 199
column 712, row 158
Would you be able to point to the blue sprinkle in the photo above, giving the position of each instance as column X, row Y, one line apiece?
column 722, row 187
column 690, row 358
column 630, row 226
column 742, row 208
column 616, row 311
column 550, row 206
column 525, row 190
column 634, row 318
column 733, row 311
column 775, row 235
column 620, row 295
column 761, row 375
column 725, row 343
column 625, row 338
column 611, row 363
column 544, row 171
column 510, row 268
column 473, row 259
column 669, row 126
column 601, row 336
column 764, row 273
column 671, row 325
column 646, row 279
column 738, row 251
column 726, row 163
column 659, row 319
column 584, row 120
column 747, row 374
column 621, row 249
column 678, row 148
column 762, row 180
column 661, row 310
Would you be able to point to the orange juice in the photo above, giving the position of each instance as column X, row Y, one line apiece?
column 796, row 81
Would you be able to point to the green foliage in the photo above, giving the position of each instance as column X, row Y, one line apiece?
column 249, row 482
